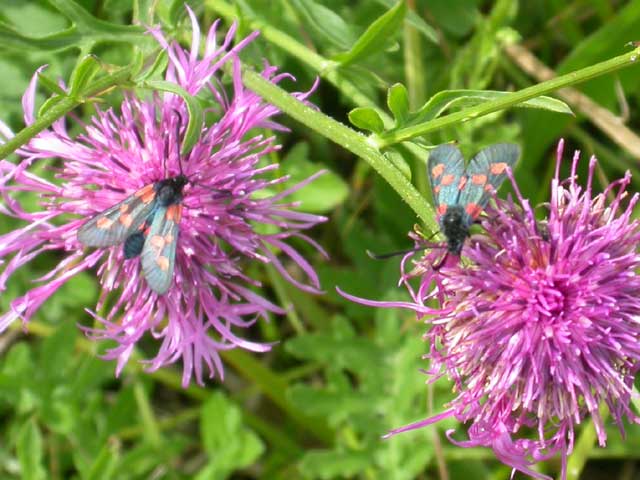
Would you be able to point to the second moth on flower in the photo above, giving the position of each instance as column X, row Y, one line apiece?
column 460, row 194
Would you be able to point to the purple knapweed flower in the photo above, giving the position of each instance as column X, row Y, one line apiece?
column 234, row 211
column 539, row 324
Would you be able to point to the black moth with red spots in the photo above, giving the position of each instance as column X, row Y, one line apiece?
column 147, row 222
column 461, row 194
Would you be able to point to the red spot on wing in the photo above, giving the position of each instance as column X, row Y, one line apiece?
column 124, row 208
column 157, row 241
column 437, row 170
column 479, row 179
column 126, row 220
column 174, row 213
column 498, row 168
column 488, row 187
column 144, row 190
column 436, row 189
column 447, row 179
column 163, row 263
column 442, row 209
column 462, row 183
column 473, row 209
column 104, row 223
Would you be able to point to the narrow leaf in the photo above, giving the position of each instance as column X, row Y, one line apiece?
column 415, row 21
column 29, row 450
column 398, row 103
column 196, row 116
column 376, row 36
column 447, row 99
column 82, row 75
column 325, row 23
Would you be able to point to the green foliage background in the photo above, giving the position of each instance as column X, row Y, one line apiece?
column 342, row 374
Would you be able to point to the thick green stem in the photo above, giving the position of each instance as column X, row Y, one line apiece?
column 345, row 137
column 507, row 101
column 62, row 108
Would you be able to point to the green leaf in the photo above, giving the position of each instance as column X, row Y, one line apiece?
column 326, row 23
column 51, row 85
column 366, row 118
column 327, row 464
column 82, row 75
column 457, row 17
column 196, row 116
column 415, row 21
column 229, row 444
column 104, row 465
column 29, row 451
column 398, row 103
column 447, row 99
column 13, row 39
column 375, row 36
column 320, row 196
column 158, row 66
column 49, row 103
column 96, row 28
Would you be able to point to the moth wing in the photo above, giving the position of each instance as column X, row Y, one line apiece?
column 485, row 173
column 115, row 224
column 445, row 169
column 159, row 251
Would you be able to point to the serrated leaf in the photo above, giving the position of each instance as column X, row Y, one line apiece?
column 353, row 353
column 326, row 23
column 324, row 403
column 332, row 464
column 375, row 36
column 82, row 75
column 366, row 118
column 398, row 103
column 228, row 442
column 196, row 116
column 447, row 99
column 29, row 451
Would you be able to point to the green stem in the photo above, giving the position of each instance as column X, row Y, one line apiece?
column 573, row 78
column 62, row 108
column 345, row 137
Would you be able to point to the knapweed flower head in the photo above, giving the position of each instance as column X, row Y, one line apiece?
column 538, row 324
column 232, row 211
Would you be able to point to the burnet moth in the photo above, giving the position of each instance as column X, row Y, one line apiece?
column 460, row 194
column 147, row 223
